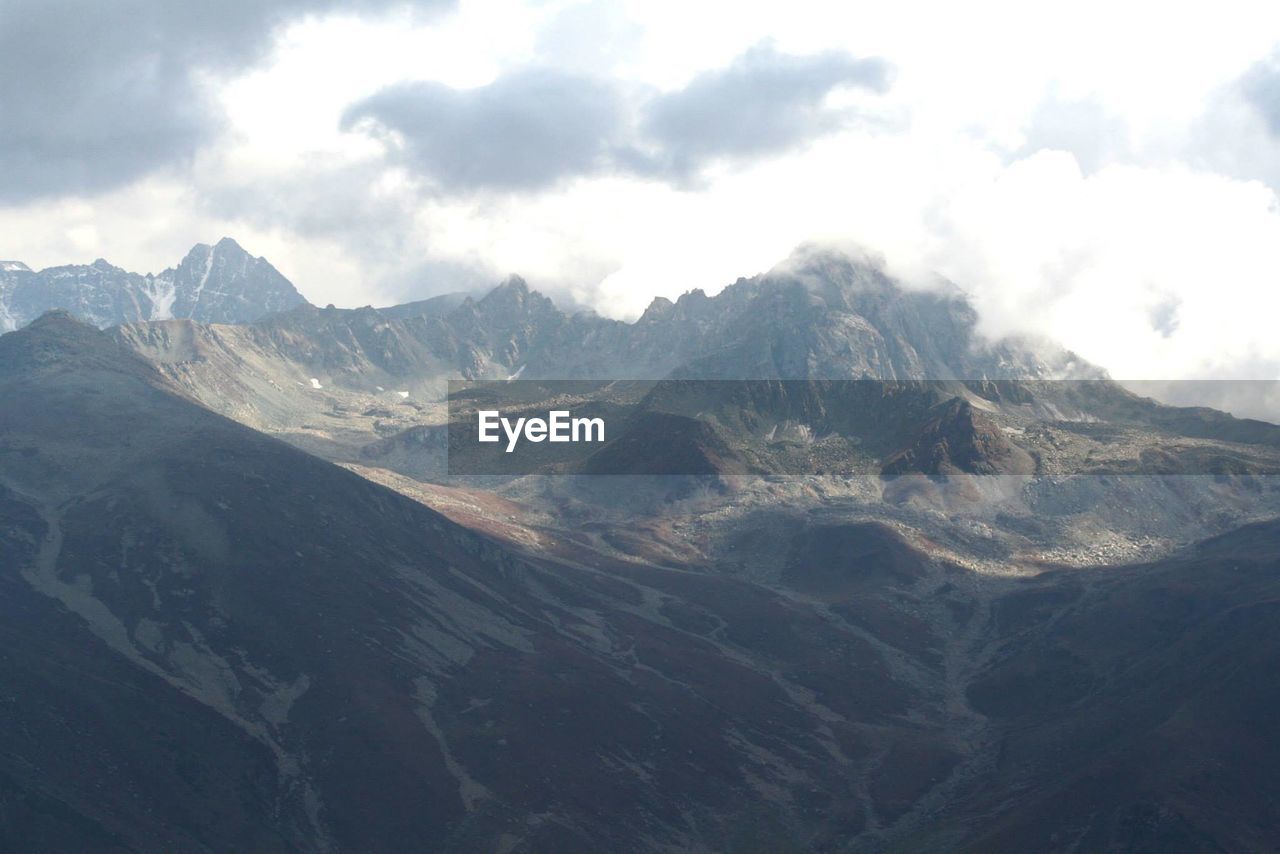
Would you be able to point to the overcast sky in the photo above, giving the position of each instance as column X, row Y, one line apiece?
column 1102, row 173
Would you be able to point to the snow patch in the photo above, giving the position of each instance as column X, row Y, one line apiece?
column 204, row 280
column 14, row 267
column 315, row 383
column 162, row 296
column 403, row 393
column 516, row 375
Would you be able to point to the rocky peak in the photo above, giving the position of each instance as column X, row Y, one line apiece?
column 55, row 319
column 514, row 293
column 225, row 247
column 212, row 284
column 513, row 285
column 660, row 309
column 225, row 284
column 821, row 314
column 513, row 303
column 57, row 341
column 695, row 297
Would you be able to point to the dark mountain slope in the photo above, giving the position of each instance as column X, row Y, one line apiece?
column 1139, row 707
column 96, row 748
column 250, row 648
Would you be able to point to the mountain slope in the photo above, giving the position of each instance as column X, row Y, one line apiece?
column 212, row 284
column 216, row 641
column 1139, row 705
column 310, row 661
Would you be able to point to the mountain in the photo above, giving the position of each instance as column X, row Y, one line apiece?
column 213, row 284
column 820, row 316
column 817, row 338
column 217, row 641
column 365, row 387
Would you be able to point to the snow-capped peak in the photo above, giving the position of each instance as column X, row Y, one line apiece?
column 221, row 283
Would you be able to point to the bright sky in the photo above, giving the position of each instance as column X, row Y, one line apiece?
column 1101, row 173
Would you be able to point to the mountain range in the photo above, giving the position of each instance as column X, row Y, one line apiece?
column 246, row 608
column 213, row 284
column 822, row 315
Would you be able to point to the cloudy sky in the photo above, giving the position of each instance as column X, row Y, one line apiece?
column 1102, row 173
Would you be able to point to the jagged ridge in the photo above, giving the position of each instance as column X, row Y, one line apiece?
column 213, row 284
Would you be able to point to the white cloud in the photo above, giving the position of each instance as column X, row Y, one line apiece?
column 1152, row 272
